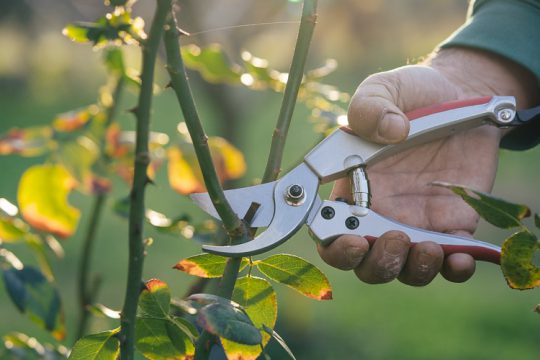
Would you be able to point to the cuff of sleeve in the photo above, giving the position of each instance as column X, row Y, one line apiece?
column 509, row 28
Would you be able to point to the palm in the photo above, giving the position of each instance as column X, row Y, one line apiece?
column 401, row 184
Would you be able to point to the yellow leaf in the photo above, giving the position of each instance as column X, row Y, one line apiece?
column 229, row 158
column 42, row 196
column 181, row 175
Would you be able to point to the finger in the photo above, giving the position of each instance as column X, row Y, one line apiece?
column 377, row 109
column 345, row 253
column 458, row 267
column 386, row 258
column 424, row 262
column 373, row 113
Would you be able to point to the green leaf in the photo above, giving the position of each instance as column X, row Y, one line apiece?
column 228, row 322
column 114, row 60
column 117, row 27
column 34, row 295
column 258, row 299
column 517, row 260
column 42, row 196
column 12, row 229
column 537, row 221
column 163, row 339
column 101, row 346
column 298, row 274
column 159, row 336
column 280, row 340
column 155, row 299
column 496, row 211
column 206, row 265
column 212, row 63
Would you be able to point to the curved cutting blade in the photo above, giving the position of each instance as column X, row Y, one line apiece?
column 288, row 217
column 241, row 200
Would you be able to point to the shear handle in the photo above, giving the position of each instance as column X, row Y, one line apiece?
column 346, row 219
column 342, row 151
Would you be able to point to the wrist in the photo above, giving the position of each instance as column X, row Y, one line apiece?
column 479, row 73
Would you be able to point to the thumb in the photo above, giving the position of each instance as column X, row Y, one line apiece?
column 377, row 109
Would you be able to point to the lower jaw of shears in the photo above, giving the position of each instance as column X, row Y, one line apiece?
column 333, row 219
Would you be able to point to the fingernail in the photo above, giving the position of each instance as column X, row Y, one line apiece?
column 392, row 127
column 426, row 260
column 355, row 255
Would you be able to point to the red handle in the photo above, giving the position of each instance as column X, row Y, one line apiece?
column 418, row 113
column 477, row 252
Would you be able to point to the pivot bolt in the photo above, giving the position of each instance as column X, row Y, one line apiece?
column 295, row 195
column 352, row 223
column 328, row 212
column 505, row 115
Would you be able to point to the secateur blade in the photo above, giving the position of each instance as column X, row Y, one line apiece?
column 287, row 218
column 241, row 200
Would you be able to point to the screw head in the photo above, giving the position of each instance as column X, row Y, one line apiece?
column 295, row 191
column 295, row 195
column 505, row 115
column 352, row 222
column 328, row 212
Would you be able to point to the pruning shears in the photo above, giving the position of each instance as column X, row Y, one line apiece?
column 284, row 205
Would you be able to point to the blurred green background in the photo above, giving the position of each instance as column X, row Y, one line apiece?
column 42, row 73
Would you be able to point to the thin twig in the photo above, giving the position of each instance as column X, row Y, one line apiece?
column 296, row 73
column 85, row 291
column 235, row 227
column 140, row 180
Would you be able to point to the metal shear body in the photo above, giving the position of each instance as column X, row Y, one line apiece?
column 292, row 201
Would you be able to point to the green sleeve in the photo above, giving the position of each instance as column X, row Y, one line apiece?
column 510, row 28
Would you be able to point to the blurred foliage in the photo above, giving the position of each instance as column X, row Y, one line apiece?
column 369, row 36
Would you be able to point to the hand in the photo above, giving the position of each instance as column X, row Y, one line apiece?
column 400, row 184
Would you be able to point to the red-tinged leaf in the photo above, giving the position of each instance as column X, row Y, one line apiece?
column 73, row 120
column 206, row 265
column 101, row 346
column 517, row 256
column 154, row 300
column 42, row 196
column 31, row 141
column 228, row 322
column 298, row 274
column 258, row 299
column 498, row 212
column 121, row 147
column 158, row 335
column 35, row 296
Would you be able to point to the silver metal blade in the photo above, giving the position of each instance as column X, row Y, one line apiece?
column 241, row 199
column 288, row 219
